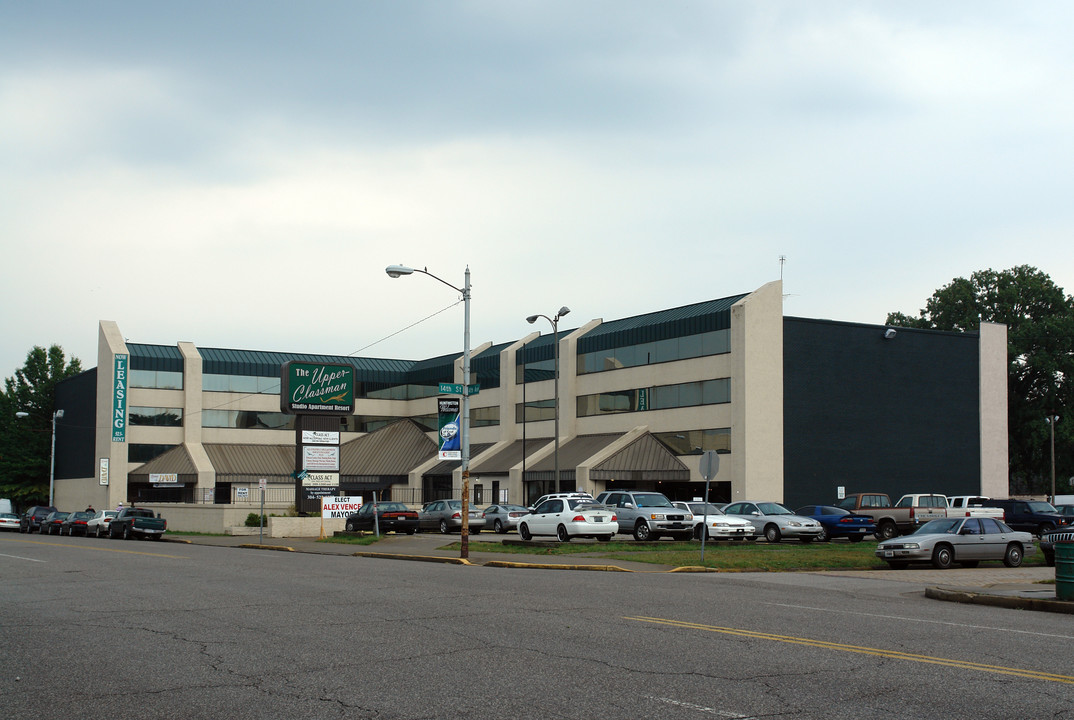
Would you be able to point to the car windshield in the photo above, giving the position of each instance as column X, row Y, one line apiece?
column 81, row 515
column 773, row 509
column 454, row 504
column 704, row 508
column 946, row 526
column 1041, row 507
column 653, row 500
column 513, row 508
column 9, row 516
column 392, row 507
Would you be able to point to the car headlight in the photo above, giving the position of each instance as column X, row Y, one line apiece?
column 795, row 523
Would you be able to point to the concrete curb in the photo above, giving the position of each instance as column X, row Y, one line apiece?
column 1012, row 602
column 418, row 558
column 255, row 546
column 554, row 566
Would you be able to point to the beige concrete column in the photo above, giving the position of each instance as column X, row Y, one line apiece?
column 995, row 467
column 110, row 343
column 192, row 428
column 757, row 395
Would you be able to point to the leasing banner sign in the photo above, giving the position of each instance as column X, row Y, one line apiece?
column 316, row 389
column 119, row 398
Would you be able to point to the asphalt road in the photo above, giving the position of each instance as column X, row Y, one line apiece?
column 97, row 628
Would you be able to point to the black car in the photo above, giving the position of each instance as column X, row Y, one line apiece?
column 1064, row 533
column 75, row 523
column 33, row 517
column 51, row 524
column 389, row 515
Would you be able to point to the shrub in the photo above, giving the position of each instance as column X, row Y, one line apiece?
column 255, row 520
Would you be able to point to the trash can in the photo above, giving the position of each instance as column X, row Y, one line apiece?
column 1064, row 570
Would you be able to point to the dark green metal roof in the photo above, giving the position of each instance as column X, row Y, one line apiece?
column 223, row 361
column 155, row 357
column 660, row 325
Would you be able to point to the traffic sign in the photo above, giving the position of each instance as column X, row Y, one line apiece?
column 710, row 465
column 456, row 388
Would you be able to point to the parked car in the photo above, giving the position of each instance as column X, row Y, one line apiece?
column 720, row 526
column 874, row 505
column 549, row 496
column 393, row 516
column 33, row 517
column 98, row 524
column 836, row 522
column 9, row 521
column 51, row 524
column 1063, row 533
column 1032, row 516
column 648, row 515
column 75, row 523
column 503, row 518
column 963, row 540
column 1066, row 511
column 142, row 523
column 568, row 518
column 446, row 515
column 775, row 522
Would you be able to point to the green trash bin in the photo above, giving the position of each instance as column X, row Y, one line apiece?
column 1064, row 570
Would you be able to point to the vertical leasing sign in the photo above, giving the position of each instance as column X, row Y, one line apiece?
column 119, row 399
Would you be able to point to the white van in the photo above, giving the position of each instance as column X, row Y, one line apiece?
column 6, row 506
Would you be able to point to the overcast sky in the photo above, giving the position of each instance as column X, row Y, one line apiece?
column 239, row 174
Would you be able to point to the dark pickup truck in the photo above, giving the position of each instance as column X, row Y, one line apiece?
column 1031, row 516
column 137, row 522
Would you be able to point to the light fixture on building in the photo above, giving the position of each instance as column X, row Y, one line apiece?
column 889, row 334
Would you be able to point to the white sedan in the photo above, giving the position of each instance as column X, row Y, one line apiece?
column 98, row 524
column 9, row 521
column 567, row 518
column 720, row 526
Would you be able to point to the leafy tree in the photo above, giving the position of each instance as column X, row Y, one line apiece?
column 26, row 443
column 1040, row 349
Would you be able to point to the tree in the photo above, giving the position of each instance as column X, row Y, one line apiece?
column 1040, row 348
column 26, row 443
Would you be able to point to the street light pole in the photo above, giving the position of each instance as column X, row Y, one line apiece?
column 1052, row 419
column 555, row 336
column 52, row 461
column 395, row 271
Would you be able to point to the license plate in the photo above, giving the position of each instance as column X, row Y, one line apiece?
column 889, row 553
column 598, row 518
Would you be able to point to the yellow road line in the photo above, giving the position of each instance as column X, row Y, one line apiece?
column 893, row 654
column 102, row 549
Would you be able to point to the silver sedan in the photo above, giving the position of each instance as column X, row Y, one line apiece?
column 966, row 541
column 504, row 518
column 446, row 516
column 776, row 522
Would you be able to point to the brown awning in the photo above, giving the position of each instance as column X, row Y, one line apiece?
column 393, row 450
column 645, row 459
column 177, row 461
column 239, row 463
column 446, row 467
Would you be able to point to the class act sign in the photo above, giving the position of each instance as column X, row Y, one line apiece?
column 316, row 389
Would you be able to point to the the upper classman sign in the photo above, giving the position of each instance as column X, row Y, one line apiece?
column 316, row 389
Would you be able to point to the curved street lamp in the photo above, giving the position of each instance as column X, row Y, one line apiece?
column 395, row 271
column 555, row 334
column 52, row 457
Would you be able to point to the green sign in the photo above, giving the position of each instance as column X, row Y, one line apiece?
column 119, row 399
column 456, row 388
column 450, row 429
column 317, row 389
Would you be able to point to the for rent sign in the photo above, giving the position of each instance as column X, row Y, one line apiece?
column 317, row 389
column 340, row 507
column 119, row 399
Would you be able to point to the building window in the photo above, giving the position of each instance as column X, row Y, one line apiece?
column 247, row 420
column 485, row 416
column 716, row 342
column 158, row 379
column 166, row 417
column 142, row 453
column 535, row 411
column 246, row 384
column 695, row 442
column 661, row 397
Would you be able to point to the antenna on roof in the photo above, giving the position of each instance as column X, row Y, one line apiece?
column 782, row 260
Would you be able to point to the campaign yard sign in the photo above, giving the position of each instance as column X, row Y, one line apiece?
column 340, row 507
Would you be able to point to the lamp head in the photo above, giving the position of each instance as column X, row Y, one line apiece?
column 59, row 413
column 889, row 334
column 397, row 270
column 563, row 311
column 532, row 319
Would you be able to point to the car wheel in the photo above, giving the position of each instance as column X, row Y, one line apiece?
column 772, row 534
column 443, row 527
column 126, row 532
column 942, row 557
column 825, row 535
column 898, row 564
column 886, row 530
column 856, row 538
column 524, row 531
column 497, row 527
column 1013, row 557
column 1049, row 559
column 410, row 531
column 642, row 532
column 969, row 563
column 98, row 531
column 350, row 526
column 474, row 530
column 562, row 534
column 1045, row 527
column 806, row 539
column 685, row 537
column 604, row 538
column 698, row 529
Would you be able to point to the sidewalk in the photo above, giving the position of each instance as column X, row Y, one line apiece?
column 1020, row 588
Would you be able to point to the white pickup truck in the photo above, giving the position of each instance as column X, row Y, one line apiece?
column 972, row 506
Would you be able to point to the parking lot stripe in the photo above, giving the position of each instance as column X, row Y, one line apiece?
column 879, row 652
